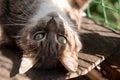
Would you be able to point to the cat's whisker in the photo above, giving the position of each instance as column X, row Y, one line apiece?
column 30, row 49
column 20, row 43
column 19, row 19
column 16, row 37
column 30, row 7
column 15, row 24
column 25, row 13
column 14, row 21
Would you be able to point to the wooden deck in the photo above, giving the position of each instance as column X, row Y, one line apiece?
column 99, row 44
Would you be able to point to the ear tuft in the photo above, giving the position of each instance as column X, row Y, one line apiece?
column 26, row 64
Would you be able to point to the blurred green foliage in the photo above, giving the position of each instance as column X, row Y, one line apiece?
column 106, row 11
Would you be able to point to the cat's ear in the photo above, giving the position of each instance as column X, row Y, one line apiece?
column 69, row 59
column 80, row 4
column 26, row 64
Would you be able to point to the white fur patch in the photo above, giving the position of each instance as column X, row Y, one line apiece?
column 62, row 4
column 51, row 6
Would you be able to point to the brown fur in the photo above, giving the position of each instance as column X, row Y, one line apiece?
column 14, row 19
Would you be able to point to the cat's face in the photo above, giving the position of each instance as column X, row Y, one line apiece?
column 49, row 39
column 51, row 36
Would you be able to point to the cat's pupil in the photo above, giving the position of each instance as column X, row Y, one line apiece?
column 39, row 36
column 62, row 39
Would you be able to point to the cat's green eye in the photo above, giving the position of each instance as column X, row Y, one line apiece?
column 62, row 39
column 39, row 36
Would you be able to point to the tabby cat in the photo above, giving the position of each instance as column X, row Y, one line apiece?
column 46, row 30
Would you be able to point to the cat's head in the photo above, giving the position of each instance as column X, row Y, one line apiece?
column 51, row 37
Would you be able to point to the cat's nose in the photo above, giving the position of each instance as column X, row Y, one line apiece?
column 51, row 25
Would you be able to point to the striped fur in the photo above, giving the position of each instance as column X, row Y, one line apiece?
column 54, row 18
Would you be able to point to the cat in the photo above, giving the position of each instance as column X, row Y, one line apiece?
column 47, row 31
